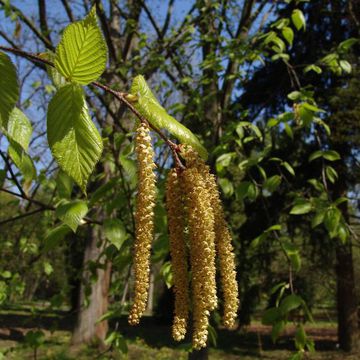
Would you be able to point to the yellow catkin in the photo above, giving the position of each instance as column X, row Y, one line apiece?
column 225, row 252
column 144, row 222
column 176, row 224
column 223, row 240
column 202, row 256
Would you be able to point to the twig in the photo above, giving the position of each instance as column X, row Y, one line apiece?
column 44, row 206
column 2, row 222
column 121, row 96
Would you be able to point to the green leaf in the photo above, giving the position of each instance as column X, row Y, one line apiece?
column 331, row 174
column 226, row 186
column 19, row 128
column 331, row 221
column 277, row 329
column 81, row 55
column 315, row 155
column 149, row 107
column 54, row 237
column 22, row 160
column 317, row 219
column 272, row 183
column 288, row 34
column 298, row 19
column 300, row 337
column 129, row 166
column 331, row 155
column 73, row 138
column 48, row 269
column 115, row 232
column 289, row 303
column 345, row 65
column 57, row 79
column 314, row 68
column 288, row 167
column 347, row 44
column 9, row 88
column 301, row 207
column 271, row 316
column 64, row 185
column 294, row 95
column 72, row 213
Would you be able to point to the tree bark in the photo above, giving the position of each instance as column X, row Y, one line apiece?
column 87, row 330
column 347, row 307
column 347, row 302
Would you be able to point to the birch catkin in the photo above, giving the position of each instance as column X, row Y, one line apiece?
column 223, row 240
column 202, row 255
column 176, row 224
column 144, row 223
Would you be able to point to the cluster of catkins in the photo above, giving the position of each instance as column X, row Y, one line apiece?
column 199, row 239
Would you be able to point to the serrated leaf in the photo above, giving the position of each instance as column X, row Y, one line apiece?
column 72, row 213
column 81, row 55
column 149, row 107
column 64, row 184
column 57, row 79
column 22, row 160
column 9, row 88
column 115, row 232
column 298, row 19
column 19, row 128
column 73, row 138
column 54, row 236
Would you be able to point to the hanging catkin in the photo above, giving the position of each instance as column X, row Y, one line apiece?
column 202, row 254
column 223, row 240
column 144, row 223
column 176, row 224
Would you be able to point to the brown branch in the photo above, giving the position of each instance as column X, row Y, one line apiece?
column 43, row 19
column 13, row 176
column 2, row 222
column 168, row 18
column 68, row 10
column 121, row 96
column 105, row 26
column 30, row 25
column 44, row 206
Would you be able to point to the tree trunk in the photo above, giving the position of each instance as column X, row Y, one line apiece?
column 347, row 303
column 347, row 307
column 87, row 329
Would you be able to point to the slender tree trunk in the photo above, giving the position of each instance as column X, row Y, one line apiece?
column 347, row 306
column 87, row 329
column 347, row 302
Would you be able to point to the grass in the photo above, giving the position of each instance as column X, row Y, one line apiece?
column 152, row 341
